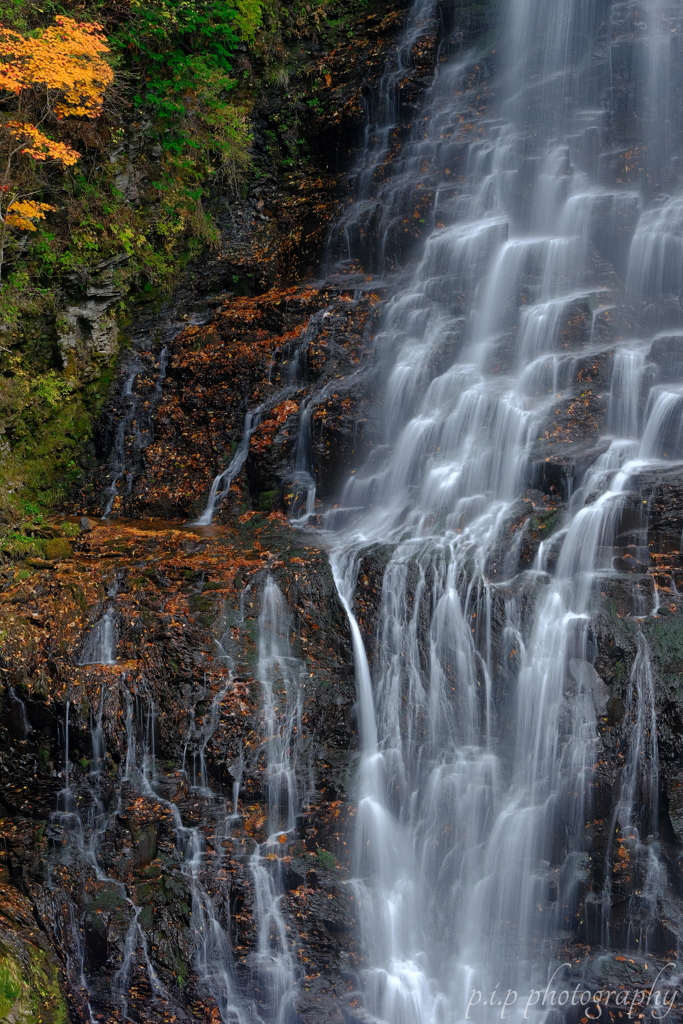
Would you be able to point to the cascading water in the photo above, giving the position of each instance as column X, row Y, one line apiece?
column 302, row 479
column 99, row 646
column 279, row 674
column 544, row 225
column 88, row 803
column 132, row 424
column 478, row 701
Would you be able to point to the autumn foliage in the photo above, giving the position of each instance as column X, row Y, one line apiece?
column 22, row 214
column 59, row 73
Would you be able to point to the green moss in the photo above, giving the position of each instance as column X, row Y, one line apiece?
column 30, row 987
column 58, row 547
column 18, row 545
column 266, row 500
column 545, row 521
column 666, row 640
column 108, row 899
column 10, row 985
column 327, row 860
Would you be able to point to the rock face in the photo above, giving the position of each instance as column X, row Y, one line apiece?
column 87, row 327
column 179, row 727
column 288, row 352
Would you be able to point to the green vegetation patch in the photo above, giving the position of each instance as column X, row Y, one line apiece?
column 30, row 987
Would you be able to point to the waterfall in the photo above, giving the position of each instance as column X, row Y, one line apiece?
column 131, row 424
column 99, row 646
column 264, row 991
column 479, row 704
column 634, row 829
column 525, row 220
column 282, row 702
column 118, row 453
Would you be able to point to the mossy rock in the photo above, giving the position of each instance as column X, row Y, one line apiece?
column 267, row 500
column 147, row 848
column 665, row 635
column 58, row 548
column 108, row 899
column 146, row 918
column 30, row 986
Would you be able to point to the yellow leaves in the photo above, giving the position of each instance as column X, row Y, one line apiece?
column 39, row 146
column 65, row 61
column 65, row 58
column 22, row 213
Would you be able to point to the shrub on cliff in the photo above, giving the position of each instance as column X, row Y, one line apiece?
column 59, row 72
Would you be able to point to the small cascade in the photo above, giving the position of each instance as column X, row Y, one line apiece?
column 135, row 942
column 302, row 481
column 363, row 227
column 634, row 868
column 145, row 434
column 279, row 674
column 141, row 395
column 655, row 260
column 77, row 828
column 626, row 394
column 195, row 763
column 275, row 962
column 302, row 478
column 65, row 798
column 220, row 487
column 118, row 460
column 20, row 725
column 214, row 961
column 99, row 646
column 89, row 810
column 83, row 831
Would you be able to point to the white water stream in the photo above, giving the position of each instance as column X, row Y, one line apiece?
column 479, row 730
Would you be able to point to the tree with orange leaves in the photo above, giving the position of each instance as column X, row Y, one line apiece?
column 59, row 73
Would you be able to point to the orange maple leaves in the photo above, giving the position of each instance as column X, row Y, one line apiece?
column 23, row 212
column 62, row 67
column 65, row 58
column 65, row 61
column 39, row 146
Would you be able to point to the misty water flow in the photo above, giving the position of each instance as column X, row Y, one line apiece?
column 131, row 426
column 99, row 646
column 554, row 257
column 266, row 989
